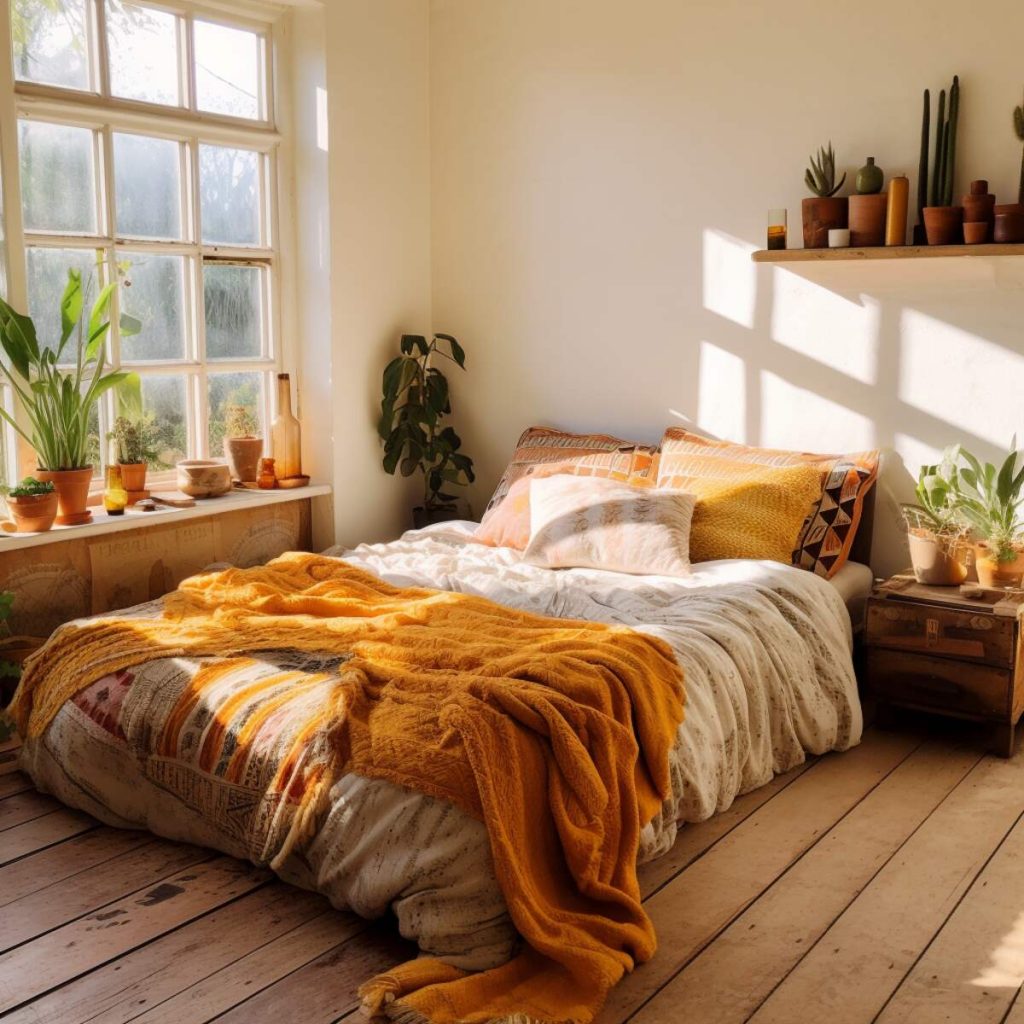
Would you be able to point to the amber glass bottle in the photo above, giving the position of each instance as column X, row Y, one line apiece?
column 286, row 439
column 115, row 497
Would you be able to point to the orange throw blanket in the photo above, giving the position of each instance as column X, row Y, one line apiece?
column 555, row 733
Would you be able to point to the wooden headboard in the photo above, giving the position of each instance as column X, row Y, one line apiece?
column 861, row 550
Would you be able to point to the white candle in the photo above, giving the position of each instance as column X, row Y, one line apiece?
column 838, row 238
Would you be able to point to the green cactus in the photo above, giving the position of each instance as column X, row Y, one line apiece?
column 1018, row 124
column 922, row 167
column 820, row 177
column 949, row 164
column 939, row 190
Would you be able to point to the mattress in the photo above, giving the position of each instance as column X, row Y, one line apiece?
column 854, row 582
column 766, row 653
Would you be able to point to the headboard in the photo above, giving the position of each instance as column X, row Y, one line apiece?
column 861, row 550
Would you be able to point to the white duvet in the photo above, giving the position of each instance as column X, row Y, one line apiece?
column 765, row 649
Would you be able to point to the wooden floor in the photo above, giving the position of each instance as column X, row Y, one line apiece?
column 884, row 884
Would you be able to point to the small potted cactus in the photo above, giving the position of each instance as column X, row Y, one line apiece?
column 825, row 210
column 242, row 444
column 32, row 504
column 1009, row 218
column 943, row 222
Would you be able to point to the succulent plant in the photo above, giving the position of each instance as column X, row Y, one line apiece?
column 820, row 177
column 1018, row 124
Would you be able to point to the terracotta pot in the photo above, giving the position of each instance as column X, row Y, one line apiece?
column 976, row 232
column 944, row 224
column 1009, row 226
column 867, row 219
column 938, row 561
column 819, row 215
column 243, row 455
column 72, row 486
column 979, row 208
column 133, row 475
column 995, row 575
column 203, row 478
column 34, row 513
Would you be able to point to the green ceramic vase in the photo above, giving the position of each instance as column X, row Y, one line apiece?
column 869, row 178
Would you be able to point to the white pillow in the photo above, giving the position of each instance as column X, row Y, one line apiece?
column 597, row 523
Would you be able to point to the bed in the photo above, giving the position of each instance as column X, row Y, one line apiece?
column 766, row 652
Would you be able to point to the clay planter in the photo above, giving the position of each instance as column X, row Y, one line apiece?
column 72, row 487
column 995, row 575
column 133, row 475
column 938, row 561
column 1009, row 225
column 979, row 208
column 34, row 513
column 243, row 455
column 867, row 219
column 976, row 232
column 944, row 225
column 821, row 214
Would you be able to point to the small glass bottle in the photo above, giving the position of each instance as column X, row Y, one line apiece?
column 284, row 432
column 267, row 480
column 776, row 229
column 115, row 497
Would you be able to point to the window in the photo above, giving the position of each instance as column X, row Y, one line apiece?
column 147, row 152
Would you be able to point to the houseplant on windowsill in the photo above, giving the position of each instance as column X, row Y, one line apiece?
column 414, row 405
column 242, row 444
column 135, row 441
column 32, row 504
column 990, row 499
column 57, row 402
column 936, row 533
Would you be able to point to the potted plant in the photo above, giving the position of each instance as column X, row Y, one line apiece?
column 414, row 405
column 136, row 450
column 943, row 222
column 990, row 499
column 57, row 402
column 242, row 444
column 32, row 504
column 1009, row 218
column 826, row 210
column 936, row 532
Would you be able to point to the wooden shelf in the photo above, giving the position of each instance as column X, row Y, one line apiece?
column 890, row 252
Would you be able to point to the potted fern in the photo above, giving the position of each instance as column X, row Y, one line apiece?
column 413, row 408
column 58, row 402
column 242, row 444
column 825, row 210
column 936, row 532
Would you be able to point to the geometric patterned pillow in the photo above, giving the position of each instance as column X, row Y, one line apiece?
column 599, row 455
column 828, row 533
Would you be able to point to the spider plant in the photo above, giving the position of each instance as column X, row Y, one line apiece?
column 58, row 402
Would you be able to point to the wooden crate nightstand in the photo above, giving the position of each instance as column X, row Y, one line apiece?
column 932, row 649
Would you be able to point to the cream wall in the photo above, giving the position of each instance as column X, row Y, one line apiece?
column 601, row 171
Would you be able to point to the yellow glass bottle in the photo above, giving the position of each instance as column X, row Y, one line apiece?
column 285, row 435
column 115, row 497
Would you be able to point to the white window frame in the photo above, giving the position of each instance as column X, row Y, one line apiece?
column 106, row 114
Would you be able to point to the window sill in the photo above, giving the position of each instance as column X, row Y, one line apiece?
column 104, row 525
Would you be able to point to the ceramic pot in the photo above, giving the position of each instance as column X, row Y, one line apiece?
column 976, row 232
column 820, row 214
column 938, row 561
column 34, row 513
column 979, row 208
column 944, row 225
column 72, row 487
column 428, row 516
column 203, row 478
column 869, row 178
column 243, row 455
column 1009, row 225
column 867, row 219
column 995, row 575
column 133, row 475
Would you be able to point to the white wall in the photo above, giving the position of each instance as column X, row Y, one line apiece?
column 602, row 169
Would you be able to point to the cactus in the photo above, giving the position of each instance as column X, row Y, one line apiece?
column 940, row 150
column 1018, row 124
column 922, row 167
column 939, row 192
column 949, row 163
column 820, row 177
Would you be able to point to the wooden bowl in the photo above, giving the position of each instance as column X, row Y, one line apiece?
column 203, row 478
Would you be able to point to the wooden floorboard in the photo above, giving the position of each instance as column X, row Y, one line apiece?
column 886, row 883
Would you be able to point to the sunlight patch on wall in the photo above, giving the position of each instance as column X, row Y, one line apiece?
column 796, row 418
column 914, row 452
column 1006, row 969
column 722, row 394
column 825, row 326
column 960, row 378
column 730, row 277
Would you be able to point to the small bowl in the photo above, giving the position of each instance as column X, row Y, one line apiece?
column 203, row 478
column 975, row 232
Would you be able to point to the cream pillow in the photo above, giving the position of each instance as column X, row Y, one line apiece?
column 605, row 524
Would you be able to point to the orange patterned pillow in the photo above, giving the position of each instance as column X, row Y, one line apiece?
column 827, row 535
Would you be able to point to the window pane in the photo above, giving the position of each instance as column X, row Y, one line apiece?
column 147, row 185
column 58, row 177
column 50, row 42
column 228, row 70
column 234, row 311
column 163, row 398
column 143, row 47
column 229, row 192
column 155, row 296
column 47, row 279
column 227, row 389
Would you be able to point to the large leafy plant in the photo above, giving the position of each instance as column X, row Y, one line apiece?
column 58, row 401
column 412, row 411
column 990, row 498
column 936, row 507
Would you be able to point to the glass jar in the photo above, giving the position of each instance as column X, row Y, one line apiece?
column 115, row 497
column 267, row 480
